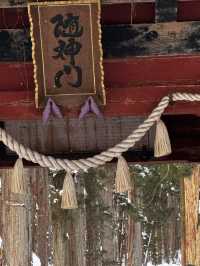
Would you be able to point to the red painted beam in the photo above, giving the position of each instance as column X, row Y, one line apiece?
column 132, row 101
column 188, row 10
column 122, row 13
column 135, row 71
column 157, row 70
column 133, row 86
column 14, row 18
column 22, row 77
column 127, row 13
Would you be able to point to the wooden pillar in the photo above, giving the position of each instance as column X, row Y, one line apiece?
column 41, row 231
column 76, row 240
column 59, row 237
column 16, row 218
column 69, row 234
column 131, row 234
column 182, row 207
column 190, row 230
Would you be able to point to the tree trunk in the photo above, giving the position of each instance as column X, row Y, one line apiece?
column 16, row 219
column 190, row 203
column 109, row 241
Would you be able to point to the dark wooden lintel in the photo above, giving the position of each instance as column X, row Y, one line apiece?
column 184, row 132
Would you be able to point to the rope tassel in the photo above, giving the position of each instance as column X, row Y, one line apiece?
column 162, row 145
column 122, row 179
column 69, row 200
column 17, row 184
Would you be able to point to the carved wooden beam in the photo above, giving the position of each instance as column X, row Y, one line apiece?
column 119, row 41
column 122, row 41
column 15, row 45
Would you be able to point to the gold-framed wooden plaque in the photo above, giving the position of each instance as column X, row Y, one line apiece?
column 67, row 51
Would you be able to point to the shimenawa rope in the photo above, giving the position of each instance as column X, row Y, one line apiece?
column 102, row 158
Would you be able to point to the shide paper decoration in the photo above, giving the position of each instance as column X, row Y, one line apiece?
column 67, row 51
column 51, row 109
column 90, row 107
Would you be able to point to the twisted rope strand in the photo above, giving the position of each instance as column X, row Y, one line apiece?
column 102, row 158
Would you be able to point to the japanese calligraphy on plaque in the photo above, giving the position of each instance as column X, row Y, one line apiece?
column 67, row 51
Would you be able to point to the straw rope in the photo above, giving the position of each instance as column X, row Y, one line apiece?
column 102, row 158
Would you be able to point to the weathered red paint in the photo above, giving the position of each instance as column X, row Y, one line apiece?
column 155, row 70
column 122, row 13
column 20, row 105
column 127, row 13
column 188, row 10
column 16, row 76
column 14, row 18
column 135, row 71
column 133, row 86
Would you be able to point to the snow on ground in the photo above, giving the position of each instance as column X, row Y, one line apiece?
column 163, row 264
column 35, row 260
column 177, row 261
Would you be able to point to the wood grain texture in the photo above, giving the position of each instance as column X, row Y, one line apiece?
column 184, row 131
column 191, row 201
column 41, row 232
column 16, row 219
column 61, row 137
column 75, row 137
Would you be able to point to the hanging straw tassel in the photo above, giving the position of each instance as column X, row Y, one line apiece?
column 17, row 180
column 122, row 179
column 162, row 145
column 69, row 200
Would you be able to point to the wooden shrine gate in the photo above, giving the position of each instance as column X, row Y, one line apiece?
column 151, row 48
